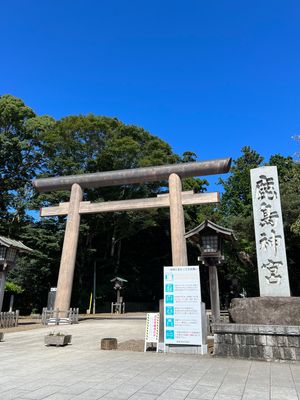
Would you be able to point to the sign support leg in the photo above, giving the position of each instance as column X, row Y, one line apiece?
column 68, row 258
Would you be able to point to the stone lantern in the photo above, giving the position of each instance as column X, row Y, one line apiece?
column 119, row 306
column 9, row 250
column 209, row 237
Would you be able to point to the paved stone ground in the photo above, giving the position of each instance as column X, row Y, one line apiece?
column 81, row 371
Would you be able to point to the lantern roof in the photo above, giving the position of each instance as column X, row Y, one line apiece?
column 117, row 278
column 209, row 226
column 16, row 244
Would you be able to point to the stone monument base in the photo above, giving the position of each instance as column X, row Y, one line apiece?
column 258, row 342
column 266, row 310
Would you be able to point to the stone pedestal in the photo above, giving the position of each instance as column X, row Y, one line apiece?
column 264, row 328
column 57, row 340
column 266, row 311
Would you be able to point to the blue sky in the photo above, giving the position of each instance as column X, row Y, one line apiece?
column 206, row 76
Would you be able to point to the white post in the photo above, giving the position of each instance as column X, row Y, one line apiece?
column 11, row 302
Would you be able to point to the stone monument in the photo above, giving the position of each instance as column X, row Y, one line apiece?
column 266, row 327
column 269, row 236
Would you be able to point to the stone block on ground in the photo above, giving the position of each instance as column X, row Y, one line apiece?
column 109, row 344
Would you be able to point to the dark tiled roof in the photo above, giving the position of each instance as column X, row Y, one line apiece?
column 4, row 241
column 226, row 233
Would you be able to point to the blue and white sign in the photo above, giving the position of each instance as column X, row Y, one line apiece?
column 182, row 302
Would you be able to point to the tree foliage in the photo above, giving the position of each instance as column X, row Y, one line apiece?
column 13, row 287
column 134, row 245
column 81, row 144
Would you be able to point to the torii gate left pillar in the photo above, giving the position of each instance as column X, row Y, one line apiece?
column 68, row 257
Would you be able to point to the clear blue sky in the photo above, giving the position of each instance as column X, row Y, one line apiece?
column 206, row 76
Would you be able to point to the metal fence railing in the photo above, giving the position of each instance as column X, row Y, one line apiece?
column 60, row 317
column 9, row 319
column 224, row 318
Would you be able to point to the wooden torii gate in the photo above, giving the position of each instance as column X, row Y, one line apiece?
column 175, row 200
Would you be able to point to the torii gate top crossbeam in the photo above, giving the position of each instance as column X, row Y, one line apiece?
column 135, row 175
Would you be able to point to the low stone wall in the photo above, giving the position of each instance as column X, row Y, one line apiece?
column 258, row 342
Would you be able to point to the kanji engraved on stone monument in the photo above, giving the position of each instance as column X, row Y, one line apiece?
column 269, row 235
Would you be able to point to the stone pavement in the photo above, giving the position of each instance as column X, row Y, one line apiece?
column 81, row 371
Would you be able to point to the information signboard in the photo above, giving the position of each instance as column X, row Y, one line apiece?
column 182, row 302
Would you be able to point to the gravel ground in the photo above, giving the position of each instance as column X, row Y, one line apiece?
column 131, row 345
column 27, row 323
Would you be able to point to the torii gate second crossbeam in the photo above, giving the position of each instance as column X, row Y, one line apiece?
column 176, row 199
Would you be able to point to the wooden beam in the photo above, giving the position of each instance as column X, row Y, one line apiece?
column 134, row 175
column 87, row 207
column 185, row 193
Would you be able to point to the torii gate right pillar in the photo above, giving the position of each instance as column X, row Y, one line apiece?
column 179, row 252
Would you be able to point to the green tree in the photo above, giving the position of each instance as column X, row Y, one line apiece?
column 13, row 287
column 132, row 244
column 37, row 272
column 235, row 212
column 289, row 178
column 19, row 159
column 236, row 199
column 81, row 144
column 292, row 187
